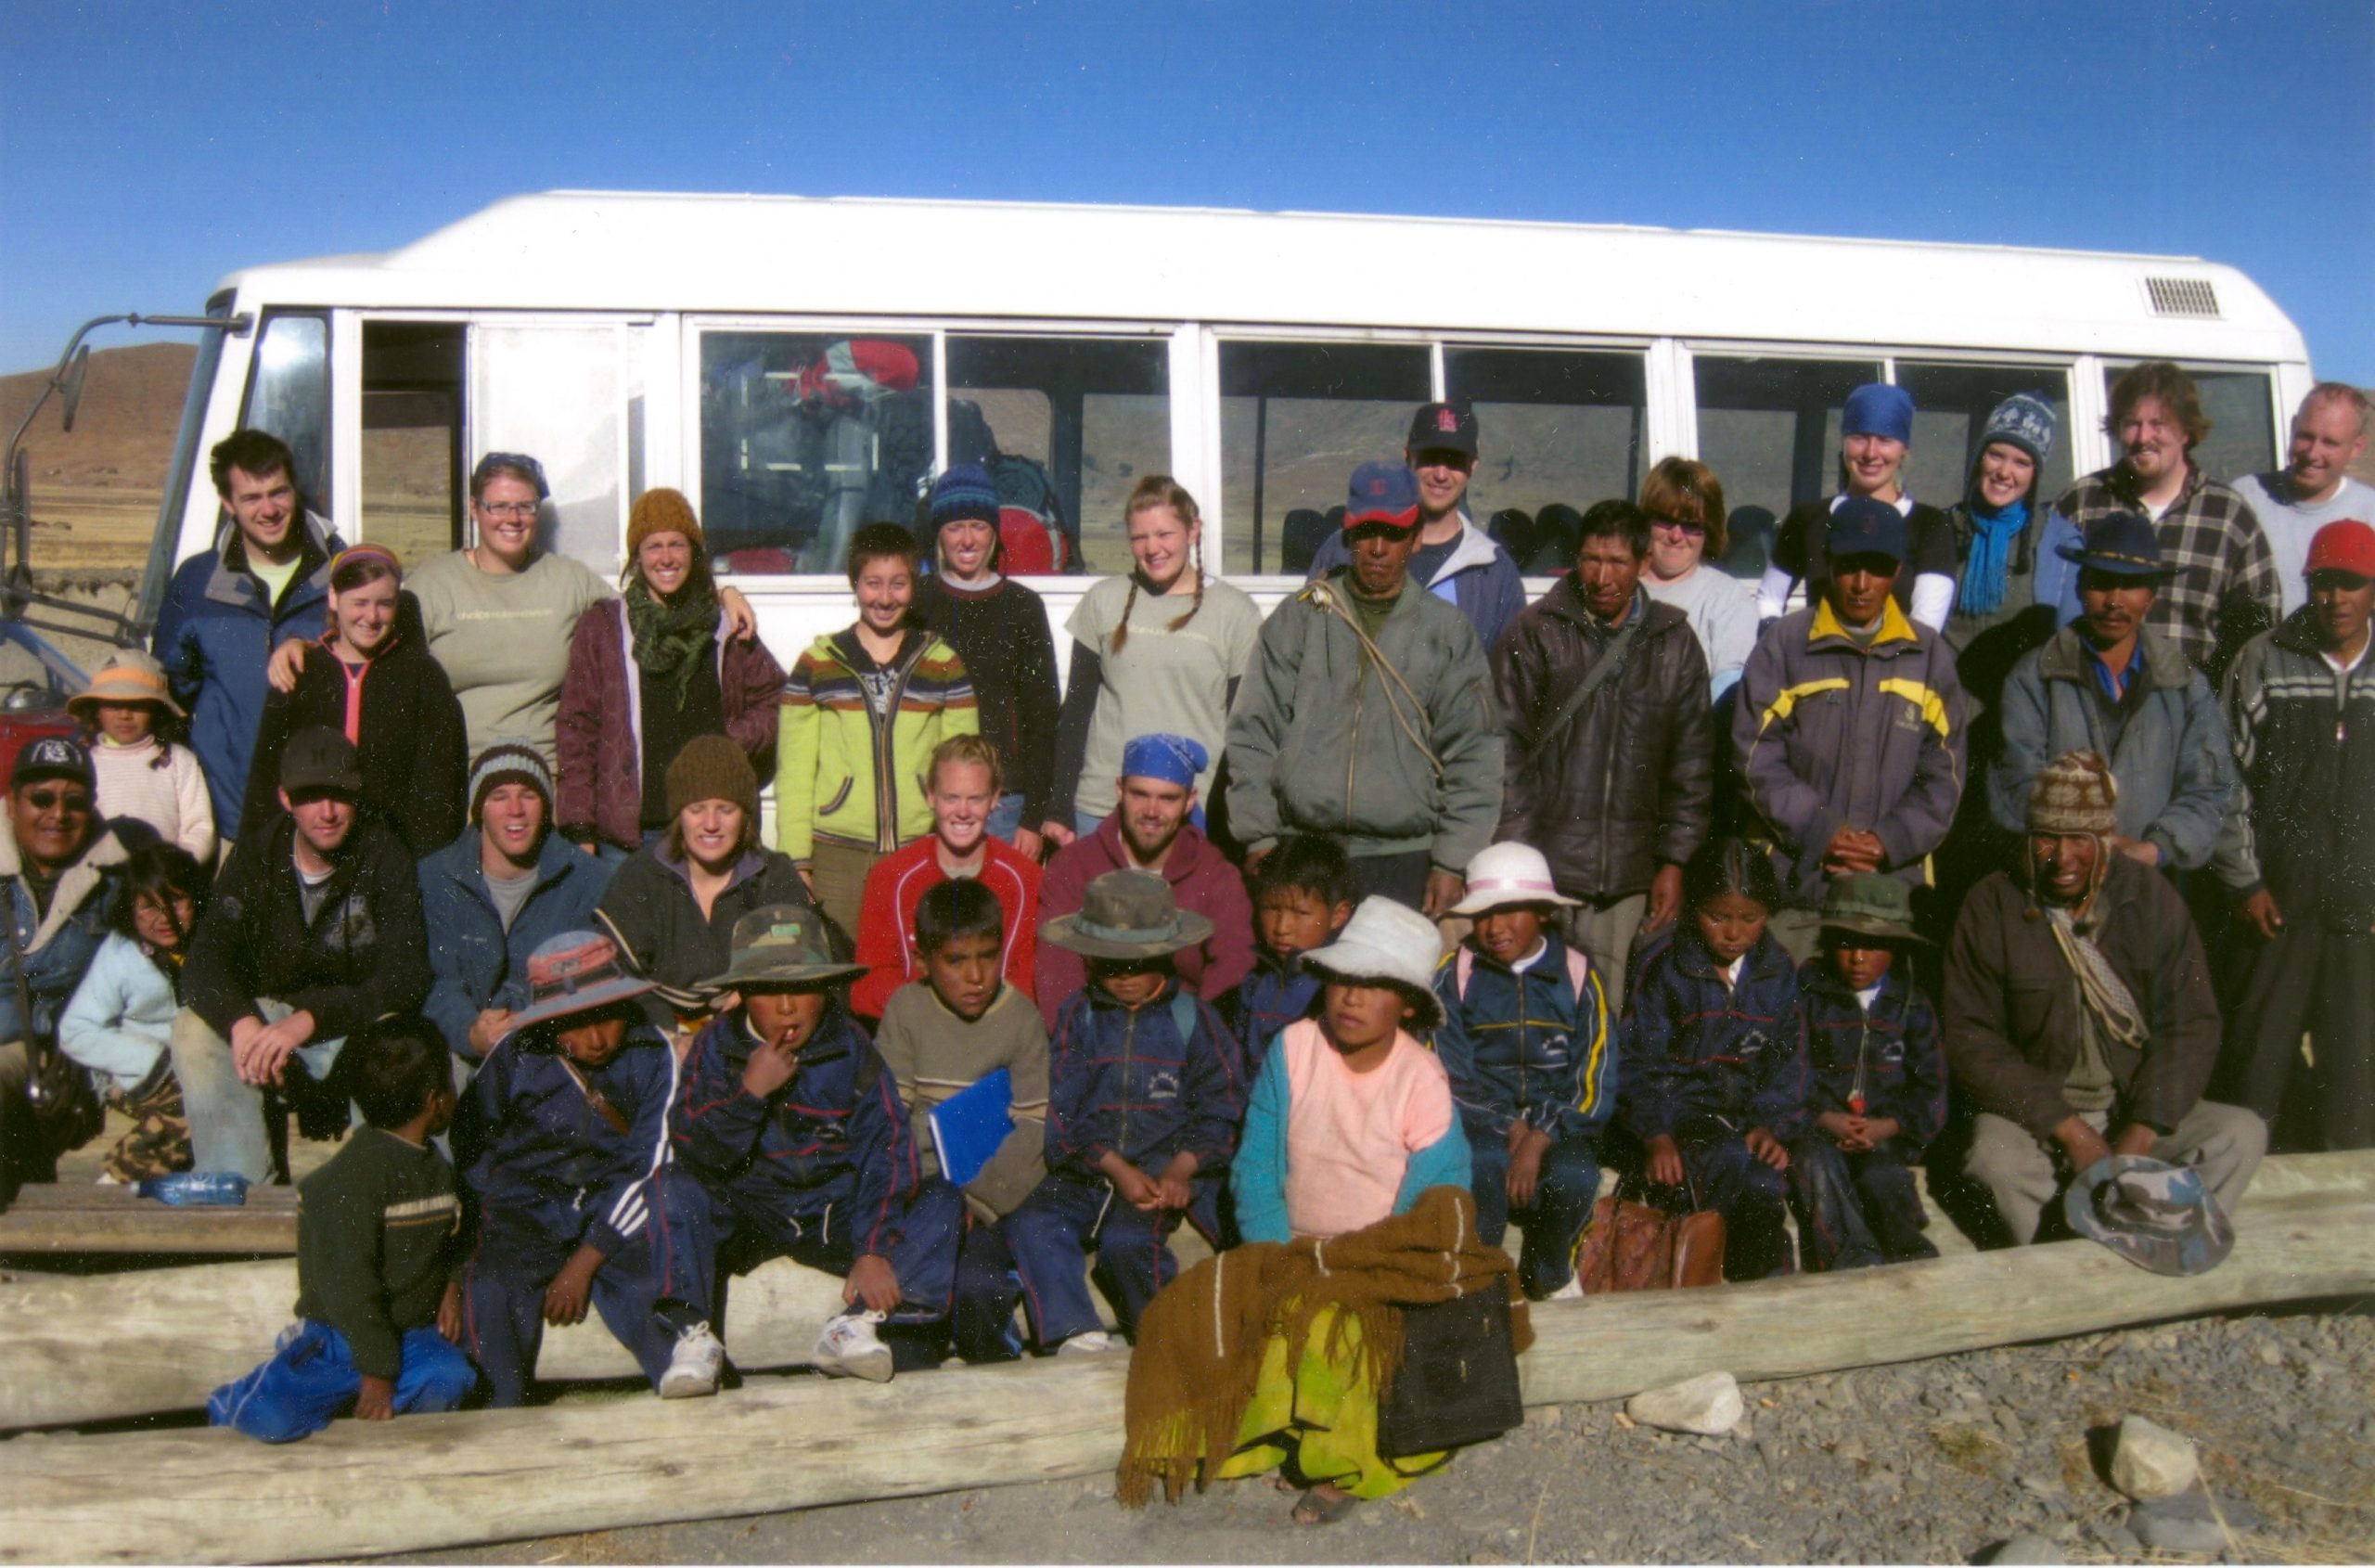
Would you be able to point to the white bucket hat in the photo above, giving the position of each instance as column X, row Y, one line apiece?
column 1506, row 874
column 1387, row 940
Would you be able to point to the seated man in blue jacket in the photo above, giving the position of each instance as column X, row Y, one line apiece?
column 794, row 1126
column 493, row 895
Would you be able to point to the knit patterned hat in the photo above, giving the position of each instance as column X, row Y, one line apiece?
column 965, row 492
column 2076, row 793
column 510, row 761
column 2023, row 421
column 712, row 767
column 663, row 512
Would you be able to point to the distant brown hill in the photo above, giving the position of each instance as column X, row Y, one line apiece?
column 123, row 431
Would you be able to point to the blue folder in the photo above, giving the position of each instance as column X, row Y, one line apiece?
column 968, row 1126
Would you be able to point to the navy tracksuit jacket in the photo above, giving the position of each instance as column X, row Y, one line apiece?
column 1278, row 992
column 1858, row 1209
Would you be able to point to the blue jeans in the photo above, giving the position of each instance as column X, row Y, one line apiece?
column 311, row 1378
column 1006, row 818
column 227, row 1130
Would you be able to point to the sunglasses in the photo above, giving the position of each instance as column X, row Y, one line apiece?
column 57, row 800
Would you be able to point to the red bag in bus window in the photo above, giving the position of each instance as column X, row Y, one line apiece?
column 856, row 372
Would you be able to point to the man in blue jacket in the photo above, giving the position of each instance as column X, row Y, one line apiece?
column 495, row 894
column 267, row 579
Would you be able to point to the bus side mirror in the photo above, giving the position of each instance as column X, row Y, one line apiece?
column 70, row 396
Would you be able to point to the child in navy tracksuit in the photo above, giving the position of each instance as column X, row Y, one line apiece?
column 794, row 1126
column 1525, row 1037
column 1880, row 1084
column 1146, row 1090
column 1716, row 1073
column 375, row 1302
column 1303, row 895
column 562, row 1137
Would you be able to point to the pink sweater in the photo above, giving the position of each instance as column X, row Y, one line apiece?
column 171, row 799
column 1350, row 1134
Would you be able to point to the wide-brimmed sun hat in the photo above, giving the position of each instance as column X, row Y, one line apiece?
column 575, row 971
column 1506, row 874
column 2157, row 1215
column 780, row 945
column 1387, row 941
column 1127, row 914
column 1870, row 904
column 129, row 675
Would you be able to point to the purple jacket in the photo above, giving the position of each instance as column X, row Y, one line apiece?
column 1202, row 880
column 598, row 737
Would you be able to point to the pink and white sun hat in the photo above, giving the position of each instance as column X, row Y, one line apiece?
column 1506, row 874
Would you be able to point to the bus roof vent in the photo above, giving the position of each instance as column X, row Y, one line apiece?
column 2182, row 296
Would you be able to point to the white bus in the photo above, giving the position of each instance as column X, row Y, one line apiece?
column 797, row 365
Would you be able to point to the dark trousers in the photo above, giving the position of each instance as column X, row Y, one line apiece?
column 1065, row 1216
column 2320, row 984
column 1752, row 1197
column 920, row 1244
column 1562, row 1205
column 981, row 1328
column 656, row 1284
column 1855, row 1210
column 1402, row 878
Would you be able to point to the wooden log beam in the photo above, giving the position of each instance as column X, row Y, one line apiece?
column 114, row 1219
column 458, row 1480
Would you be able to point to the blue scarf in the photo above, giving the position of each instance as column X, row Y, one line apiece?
column 1991, row 552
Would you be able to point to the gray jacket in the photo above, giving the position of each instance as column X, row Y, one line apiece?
column 1322, row 741
column 2165, row 741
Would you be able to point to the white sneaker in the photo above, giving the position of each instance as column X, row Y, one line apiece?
column 849, row 1348
column 1089, row 1342
column 693, row 1366
column 1572, row 1290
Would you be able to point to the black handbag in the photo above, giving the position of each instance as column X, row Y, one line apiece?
column 1459, row 1380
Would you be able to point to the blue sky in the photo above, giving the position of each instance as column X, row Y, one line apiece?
column 147, row 149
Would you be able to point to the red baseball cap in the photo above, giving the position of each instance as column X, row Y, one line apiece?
column 2347, row 546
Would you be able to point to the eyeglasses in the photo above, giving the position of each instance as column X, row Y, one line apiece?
column 57, row 800
column 508, row 508
column 1676, row 525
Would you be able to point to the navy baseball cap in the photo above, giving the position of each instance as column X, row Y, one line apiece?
column 1442, row 427
column 51, row 756
column 1861, row 526
column 1383, row 492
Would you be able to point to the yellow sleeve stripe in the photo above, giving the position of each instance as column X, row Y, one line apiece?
column 1933, row 706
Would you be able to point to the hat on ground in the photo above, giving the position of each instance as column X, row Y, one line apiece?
column 1861, row 526
column 129, row 675
column 575, row 971
column 1383, row 492
column 52, row 756
column 320, row 758
column 2154, row 1215
column 510, row 761
column 2023, row 421
column 1877, row 408
column 1442, row 427
column 2075, row 793
column 712, row 767
column 1869, row 903
column 2122, row 544
column 1385, row 940
column 2345, row 546
column 1174, row 759
column 1502, row 875
column 662, row 511
column 1127, row 914
column 965, row 492
column 780, row 945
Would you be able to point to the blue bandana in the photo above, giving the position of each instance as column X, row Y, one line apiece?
column 1174, row 759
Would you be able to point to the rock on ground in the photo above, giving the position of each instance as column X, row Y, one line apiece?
column 2149, row 1460
column 1708, row 1405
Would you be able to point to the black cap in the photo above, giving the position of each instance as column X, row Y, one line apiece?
column 1442, row 427
column 320, row 759
column 51, row 756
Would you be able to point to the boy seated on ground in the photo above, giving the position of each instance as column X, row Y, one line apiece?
column 1525, row 1038
column 376, row 1307
column 1144, row 1092
column 1879, row 1084
column 562, row 1137
column 941, row 1034
column 1303, row 895
column 794, row 1126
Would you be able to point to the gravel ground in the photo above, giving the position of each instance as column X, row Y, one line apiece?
column 1933, row 1461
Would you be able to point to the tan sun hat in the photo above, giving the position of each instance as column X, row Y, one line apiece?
column 129, row 675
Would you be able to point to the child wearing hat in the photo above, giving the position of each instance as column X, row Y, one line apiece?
column 562, row 1137
column 1525, row 1038
column 1878, row 1092
column 1146, row 1087
column 794, row 1126
column 130, row 714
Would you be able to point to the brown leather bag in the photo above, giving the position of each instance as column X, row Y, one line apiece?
column 1632, row 1246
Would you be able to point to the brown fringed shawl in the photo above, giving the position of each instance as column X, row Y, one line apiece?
column 1201, row 1342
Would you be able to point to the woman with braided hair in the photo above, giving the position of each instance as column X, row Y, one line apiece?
column 1160, row 650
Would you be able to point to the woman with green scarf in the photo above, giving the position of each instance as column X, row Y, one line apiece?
column 648, row 672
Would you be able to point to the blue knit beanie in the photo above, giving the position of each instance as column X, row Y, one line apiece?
column 1877, row 408
column 2023, row 421
column 965, row 492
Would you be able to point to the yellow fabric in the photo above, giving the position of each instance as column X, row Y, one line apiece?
column 1320, row 1423
column 1894, row 627
column 1933, row 706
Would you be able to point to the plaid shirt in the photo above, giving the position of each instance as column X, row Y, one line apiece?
column 2226, row 588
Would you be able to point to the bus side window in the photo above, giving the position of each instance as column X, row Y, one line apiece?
column 290, row 396
column 1296, row 418
column 1769, row 428
column 1552, row 427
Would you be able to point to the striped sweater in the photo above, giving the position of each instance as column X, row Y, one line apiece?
column 849, row 773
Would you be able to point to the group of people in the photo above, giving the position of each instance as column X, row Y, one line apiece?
column 1764, row 893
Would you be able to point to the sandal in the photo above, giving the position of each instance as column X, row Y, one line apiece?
column 1317, row 1508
